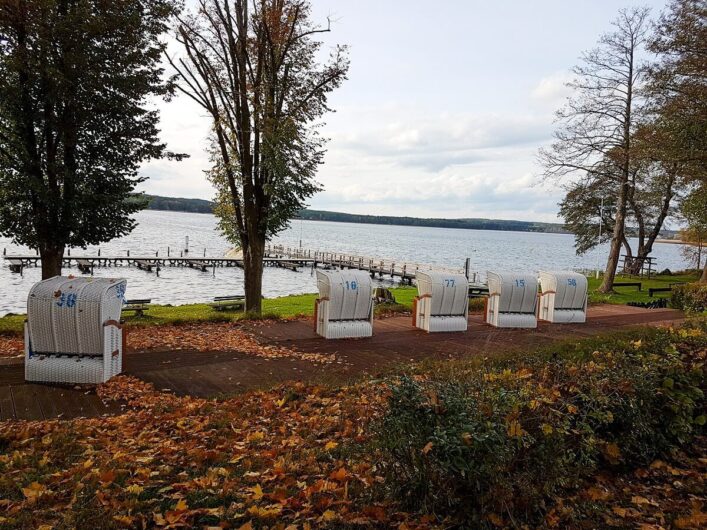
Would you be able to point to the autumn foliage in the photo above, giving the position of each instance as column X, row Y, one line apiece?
column 691, row 297
column 521, row 442
column 492, row 444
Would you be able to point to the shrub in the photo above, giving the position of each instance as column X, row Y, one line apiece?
column 690, row 297
column 477, row 305
column 500, row 441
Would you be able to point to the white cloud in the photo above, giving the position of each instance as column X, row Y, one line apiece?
column 552, row 90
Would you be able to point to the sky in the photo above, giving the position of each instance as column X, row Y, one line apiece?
column 444, row 110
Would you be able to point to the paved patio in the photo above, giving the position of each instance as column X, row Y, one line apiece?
column 395, row 342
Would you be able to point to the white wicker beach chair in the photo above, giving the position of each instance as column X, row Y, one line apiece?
column 73, row 332
column 344, row 308
column 442, row 303
column 512, row 300
column 563, row 297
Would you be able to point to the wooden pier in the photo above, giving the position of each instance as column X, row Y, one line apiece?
column 375, row 266
column 289, row 258
column 152, row 263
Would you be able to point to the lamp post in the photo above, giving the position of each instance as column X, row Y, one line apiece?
column 601, row 217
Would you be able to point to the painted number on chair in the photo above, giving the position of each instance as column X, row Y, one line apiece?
column 520, row 283
column 449, row 282
column 67, row 300
column 572, row 282
column 352, row 285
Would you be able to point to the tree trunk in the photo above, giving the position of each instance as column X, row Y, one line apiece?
column 52, row 258
column 607, row 285
column 253, row 275
column 703, row 278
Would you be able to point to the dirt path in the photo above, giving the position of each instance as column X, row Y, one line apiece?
column 215, row 373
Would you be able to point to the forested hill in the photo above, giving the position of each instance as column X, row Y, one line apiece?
column 177, row 204
column 471, row 223
column 202, row 206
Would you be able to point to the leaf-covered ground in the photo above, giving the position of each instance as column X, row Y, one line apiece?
column 285, row 455
column 212, row 336
column 294, row 457
column 11, row 346
column 200, row 336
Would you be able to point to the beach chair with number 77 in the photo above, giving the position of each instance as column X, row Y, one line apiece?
column 442, row 303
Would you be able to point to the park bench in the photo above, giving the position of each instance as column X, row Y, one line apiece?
column 288, row 265
column 85, row 266
column 224, row 303
column 139, row 305
column 193, row 264
column 16, row 265
column 478, row 291
column 653, row 290
column 628, row 284
column 144, row 264
column 669, row 288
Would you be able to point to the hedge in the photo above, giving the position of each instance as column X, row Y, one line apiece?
column 690, row 297
column 495, row 443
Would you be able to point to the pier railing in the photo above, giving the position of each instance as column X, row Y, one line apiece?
column 404, row 270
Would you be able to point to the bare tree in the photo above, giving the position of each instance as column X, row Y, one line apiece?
column 252, row 66
column 597, row 124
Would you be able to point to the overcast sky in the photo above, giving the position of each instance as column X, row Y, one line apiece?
column 445, row 107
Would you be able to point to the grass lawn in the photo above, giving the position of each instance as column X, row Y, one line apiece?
column 303, row 305
column 624, row 295
column 284, row 307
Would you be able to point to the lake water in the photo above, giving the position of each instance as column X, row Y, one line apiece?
column 443, row 246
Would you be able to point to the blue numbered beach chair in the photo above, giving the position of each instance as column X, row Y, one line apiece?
column 513, row 298
column 344, row 308
column 73, row 332
column 563, row 297
column 442, row 303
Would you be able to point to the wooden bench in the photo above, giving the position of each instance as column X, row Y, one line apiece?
column 85, row 266
column 16, row 265
column 669, row 288
column 139, row 305
column 478, row 291
column 653, row 290
column 287, row 265
column 193, row 264
column 144, row 264
column 629, row 284
column 225, row 303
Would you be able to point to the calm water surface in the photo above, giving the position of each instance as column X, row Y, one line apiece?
column 157, row 231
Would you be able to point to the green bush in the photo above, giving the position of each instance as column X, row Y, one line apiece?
column 498, row 442
column 690, row 297
column 477, row 305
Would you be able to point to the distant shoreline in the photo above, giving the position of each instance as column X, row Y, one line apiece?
column 178, row 204
column 676, row 242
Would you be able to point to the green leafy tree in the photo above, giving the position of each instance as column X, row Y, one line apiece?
column 678, row 82
column 694, row 211
column 75, row 124
column 252, row 66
